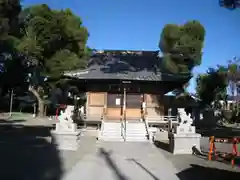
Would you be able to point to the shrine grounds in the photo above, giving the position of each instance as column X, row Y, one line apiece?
column 26, row 153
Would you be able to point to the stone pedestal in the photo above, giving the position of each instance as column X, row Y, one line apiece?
column 66, row 139
column 185, row 129
column 161, row 136
column 66, row 135
column 184, row 143
column 184, row 139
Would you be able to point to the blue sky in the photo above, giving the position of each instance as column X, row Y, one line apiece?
column 137, row 24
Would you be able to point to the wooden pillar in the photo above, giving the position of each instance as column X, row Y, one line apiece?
column 105, row 106
column 121, row 108
column 124, row 102
column 143, row 108
column 87, row 102
column 124, row 109
column 86, row 109
column 169, row 120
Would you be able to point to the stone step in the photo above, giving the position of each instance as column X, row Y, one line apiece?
column 131, row 139
column 128, row 129
column 128, row 138
column 109, row 124
column 135, row 131
column 136, row 139
column 111, row 127
column 110, row 134
column 111, row 139
column 136, row 126
column 136, row 134
column 112, row 130
column 127, row 133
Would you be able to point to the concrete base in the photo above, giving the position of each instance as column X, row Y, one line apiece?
column 66, row 140
column 184, row 143
column 161, row 136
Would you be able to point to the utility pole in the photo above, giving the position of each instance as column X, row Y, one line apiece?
column 11, row 102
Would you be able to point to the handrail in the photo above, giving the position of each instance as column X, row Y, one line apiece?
column 170, row 117
column 122, row 129
column 102, row 125
column 161, row 118
column 146, row 124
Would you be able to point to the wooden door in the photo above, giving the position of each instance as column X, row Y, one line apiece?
column 114, row 102
column 133, row 114
column 133, row 104
column 113, row 114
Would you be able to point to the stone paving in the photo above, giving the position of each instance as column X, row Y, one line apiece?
column 123, row 161
column 26, row 154
column 137, row 161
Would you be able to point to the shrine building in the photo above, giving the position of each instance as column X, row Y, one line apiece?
column 127, row 87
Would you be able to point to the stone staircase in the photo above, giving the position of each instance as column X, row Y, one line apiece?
column 136, row 131
column 112, row 131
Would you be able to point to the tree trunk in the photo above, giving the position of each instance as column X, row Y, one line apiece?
column 39, row 99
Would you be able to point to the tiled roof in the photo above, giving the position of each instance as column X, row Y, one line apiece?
column 123, row 65
column 99, row 74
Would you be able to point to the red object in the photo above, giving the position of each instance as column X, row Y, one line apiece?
column 62, row 106
column 226, row 140
column 232, row 156
column 235, row 141
column 235, row 150
column 212, row 148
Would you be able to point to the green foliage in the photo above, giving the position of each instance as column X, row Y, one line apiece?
column 63, row 60
column 39, row 37
column 181, row 46
column 234, row 76
column 40, row 41
column 55, row 38
column 234, row 86
column 12, row 70
column 9, row 11
column 212, row 86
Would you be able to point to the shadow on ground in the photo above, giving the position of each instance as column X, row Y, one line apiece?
column 26, row 153
column 145, row 169
column 200, row 154
column 221, row 158
column 193, row 171
column 113, row 166
column 198, row 172
column 162, row 145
